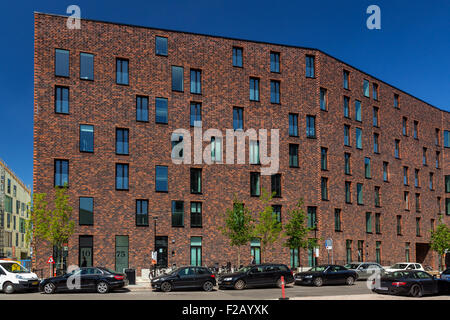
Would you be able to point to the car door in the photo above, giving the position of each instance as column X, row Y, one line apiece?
column 2, row 277
column 270, row 275
column 92, row 278
column 363, row 271
column 331, row 275
column 427, row 282
column 186, row 278
column 255, row 276
column 201, row 275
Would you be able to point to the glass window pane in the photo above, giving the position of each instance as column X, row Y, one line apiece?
column 177, row 78
column 161, row 178
column 161, row 114
column 86, row 66
column 86, row 210
column 161, row 46
column 86, row 138
column 61, row 63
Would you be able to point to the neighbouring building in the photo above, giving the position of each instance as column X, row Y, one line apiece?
column 15, row 199
column 369, row 160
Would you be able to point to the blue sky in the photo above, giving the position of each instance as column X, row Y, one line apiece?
column 411, row 51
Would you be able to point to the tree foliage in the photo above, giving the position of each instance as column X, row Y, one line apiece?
column 440, row 239
column 296, row 229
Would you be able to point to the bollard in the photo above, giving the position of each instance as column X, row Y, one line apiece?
column 283, row 295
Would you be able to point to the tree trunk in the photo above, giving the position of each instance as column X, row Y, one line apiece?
column 238, row 256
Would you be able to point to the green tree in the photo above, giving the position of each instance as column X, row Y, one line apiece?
column 440, row 240
column 238, row 226
column 267, row 228
column 53, row 226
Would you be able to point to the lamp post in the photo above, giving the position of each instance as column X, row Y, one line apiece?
column 154, row 233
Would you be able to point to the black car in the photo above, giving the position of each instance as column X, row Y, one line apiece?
column 257, row 276
column 185, row 278
column 415, row 283
column 326, row 274
column 98, row 279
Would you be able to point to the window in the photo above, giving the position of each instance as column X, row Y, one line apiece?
column 407, row 252
column 399, row 225
column 238, row 118
column 196, row 214
column 348, row 192
column 418, row 227
column 397, row 149
column 437, row 159
column 122, row 252
column 346, row 107
column 86, row 138
column 161, row 179
column 324, row 188
column 276, row 184
column 177, row 213
column 385, row 171
column 310, row 126
column 254, row 89
column 347, row 163
column 375, row 91
column 255, row 249
column 418, row 202
column 254, row 152
column 177, row 78
column 276, row 212
column 311, row 217
column 431, row 181
column 161, row 46
column 378, row 252
column 196, row 180
column 377, row 197
column 358, row 110
column 294, row 258
column 161, row 114
column 293, row 155
column 121, row 71
column 446, row 139
column 405, row 126
column 366, row 88
column 360, row 250
column 447, row 184
column 196, row 251
column 405, row 176
column 416, row 134
column 85, row 254
column 347, row 135
column 348, row 251
column 86, row 211
column 86, row 66
column 376, row 148
column 323, row 99
column 293, row 124
column 141, row 108
column 396, row 98
column 216, row 149
column 447, row 206
column 337, row 220
column 309, row 66
column 437, row 137
column 61, row 63
column 274, row 91
column 177, row 146
column 324, row 158
column 196, row 81
column 367, row 168
column 196, row 114
column 406, row 199
column 358, row 136
column 142, row 212
column 416, row 178
column 122, row 141
column 359, row 193
column 121, row 176
column 368, row 222
column 61, row 173
column 237, row 57
column 346, row 78
column 61, row 99
column 274, row 62
column 255, row 184
column 424, row 156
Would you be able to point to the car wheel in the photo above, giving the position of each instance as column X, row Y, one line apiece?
column 416, row 291
column 279, row 285
column 8, row 288
column 349, row 281
column 318, row 282
column 208, row 286
column 49, row 288
column 239, row 285
column 102, row 287
column 166, row 287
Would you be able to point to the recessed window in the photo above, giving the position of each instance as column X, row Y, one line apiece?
column 142, row 212
column 447, row 184
column 431, row 181
column 416, row 178
column 399, row 225
column 323, row 99
column 346, row 135
column 446, row 139
column 293, row 155
column 406, row 199
column 255, row 184
column 359, row 193
column 375, row 91
column 346, row 107
column 358, row 136
column 61, row 173
column 142, row 108
column 346, row 79
column 177, row 213
column 237, row 57
column 196, row 180
column 376, row 148
column 337, row 220
column 122, row 141
column 216, row 149
column 358, row 110
column 324, row 188
column 61, row 99
column 424, row 156
column 161, row 179
column 86, row 211
column 405, row 126
column 276, row 212
column 347, row 163
column 254, row 157
column 86, row 66
column 447, row 206
column 161, row 113
column 293, row 124
column 312, row 217
column 196, row 114
column 61, row 63
column 385, row 171
column 238, row 118
column 405, row 176
column 274, row 62
column 177, row 78
column 367, row 170
column 366, row 88
column 86, row 138
column 396, row 101
column 377, row 200
column 254, row 89
column 418, row 227
column 416, row 130
column 274, row 91
column 437, row 137
column 177, row 146
column 368, row 222
column 375, row 116
column 310, row 126
column 276, row 184
column 121, row 176
column 397, row 149
column 323, row 158
column 348, row 192
column 121, row 71
column 310, row 73
column 417, row 202
column 161, row 46
column 196, row 81
column 196, row 214
column 437, row 159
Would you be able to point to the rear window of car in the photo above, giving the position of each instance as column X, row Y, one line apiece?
column 352, row 266
column 398, row 274
column 284, row 268
column 399, row 266
column 203, row 271
column 446, row 271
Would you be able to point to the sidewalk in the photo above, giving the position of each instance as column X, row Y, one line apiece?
column 369, row 296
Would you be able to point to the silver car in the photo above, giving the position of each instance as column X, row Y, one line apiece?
column 365, row 269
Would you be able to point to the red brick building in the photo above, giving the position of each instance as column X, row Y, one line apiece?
column 109, row 96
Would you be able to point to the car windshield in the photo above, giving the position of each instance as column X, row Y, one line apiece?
column 352, row 266
column 397, row 274
column 399, row 266
column 245, row 269
column 14, row 267
column 318, row 268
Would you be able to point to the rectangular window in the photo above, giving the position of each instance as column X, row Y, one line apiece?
column 399, row 225
column 418, row 227
column 375, row 91
column 141, row 108
column 324, row 188
column 376, row 148
column 177, row 213
column 293, row 155
column 396, row 98
column 323, row 99
column 161, row 179
column 196, row 214
column 274, row 62
column 86, row 211
column 358, row 136
column 358, row 111
column 348, row 192
column 360, row 250
column 447, row 206
column 310, row 126
column 347, row 163
column 276, row 212
column 310, row 66
column 254, row 89
column 61, row 99
column 446, row 139
column 377, row 197
column 347, row 135
column 431, row 181
column 406, row 199
column 418, row 202
column 196, row 114
column 121, row 71
column 312, row 217
column 216, row 149
column 416, row 129
column 378, row 223
column 367, row 170
column 359, row 193
column 368, row 222
column 405, row 126
column 437, row 159
column 274, row 91
column 61, row 63
column 397, row 149
column 337, row 220
column 407, row 252
column 121, row 176
column 346, row 78
column 346, row 107
column 196, row 180
column 293, row 124
column 276, row 184
column 61, row 173
column 142, row 212
column 161, row 46
column 424, row 156
column 237, row 57
column 294, row 258
column 385, row 171
column 255, row 249
column 324, row 158
column 177, row 78
column 85, row 254
column 196, row 251
column 86, row 66
column 405, row 176
column 122, row 251
column 447, row 184
column 86, row 138
column 378, row 252
column 375, row 116
column 196, row 81
column 255, row 184
column 416, row 178
column 238, row 118
column 177, row 146
column 348, row 251
column 366, row 88
column 161, row 113
column 122, row 141
column 254, row 157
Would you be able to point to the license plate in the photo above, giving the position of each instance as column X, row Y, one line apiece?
column 35, row 283
column 382, row 288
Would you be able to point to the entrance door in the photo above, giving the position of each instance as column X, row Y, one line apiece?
column 161, row 244
column 85, row 251
column 196, row 251
column 255, row 250
column 121, row 253
column 422, row 252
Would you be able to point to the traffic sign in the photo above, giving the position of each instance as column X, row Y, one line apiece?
column 51, row 260
column 154, row 257
column 329, row 244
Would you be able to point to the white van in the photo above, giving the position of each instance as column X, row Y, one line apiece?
column 15, row 277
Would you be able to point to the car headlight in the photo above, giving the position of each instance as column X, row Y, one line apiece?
column 308, row 276
column 18, row 276
column 227, row 279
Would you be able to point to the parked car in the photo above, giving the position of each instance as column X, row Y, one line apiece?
column 185, row 277
column 415, row 283
column 365, row 269
column 99, row 279
column 260, row 275
column 405, row 266
column 326, row 274
column 15, row 277
column 445, row 275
